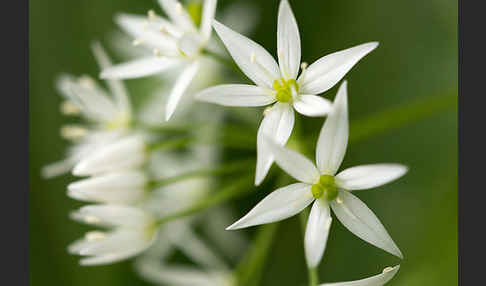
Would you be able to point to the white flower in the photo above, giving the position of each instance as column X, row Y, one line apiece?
column 108, row 112
column 176, row 42
column 377, row 280
column 83, row 94
column 279, row 82
column 322, row 186
column 81, row 148
column 126, row 153
column 133, row 231
column 122, row 187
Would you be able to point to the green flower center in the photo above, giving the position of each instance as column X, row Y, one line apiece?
column 284, row 89
column 325, row 187
column 194, row 8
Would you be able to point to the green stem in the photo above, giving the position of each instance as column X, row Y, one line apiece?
column 220, row 170
column 250, row 269
column 399, row 116
column 312, row 273
column 237, row 188
column 175, row 143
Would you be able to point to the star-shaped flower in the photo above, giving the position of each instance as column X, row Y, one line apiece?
column 278, row 83
column 322, row 186
column 178, row 42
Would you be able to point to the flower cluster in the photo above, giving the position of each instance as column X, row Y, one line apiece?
column 130, row 175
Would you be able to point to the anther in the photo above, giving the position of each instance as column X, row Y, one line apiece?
column 137, row 42
column 69, row 108
column 303, row 65
column 253, row 58
column 163, row 30
column 157, row 52
column 339, row 200
column 388, row 269
column 86, row 81
column 179, row 8
column 151, row 15
column 94, row 235
column 91, row 219
column 73, row 132
column 267, row 110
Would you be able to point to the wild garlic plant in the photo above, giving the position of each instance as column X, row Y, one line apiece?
column 152, row 184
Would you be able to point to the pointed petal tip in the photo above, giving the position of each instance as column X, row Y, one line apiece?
column 234, row 226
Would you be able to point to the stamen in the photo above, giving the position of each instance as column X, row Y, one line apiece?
column 179, row 8
column 137, row 42
column 94, row 235
column 157, row 52
column 303, row 66
column 388, row 269
column 86, row 82
column 68, row 108
column 253, row 58
column 91, row 219
column 267, row 110
column 339, row 200
column 163, row 30
column 73, row 132
column 151, row 15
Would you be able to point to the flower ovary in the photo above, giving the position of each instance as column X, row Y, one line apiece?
column 325, row 187
column 283, row 89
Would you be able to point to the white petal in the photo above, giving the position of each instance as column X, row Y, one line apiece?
column 288, row 41
column 126, row 153
column 328, row 70
column 139, row 68
column 178, row 14
column 377, row 280
column 114, row 187
column 312, row 105
column 295, row 164
column 93, row 101
column 148, row 32
column 179, row 275
column 113, row 215
column 361, row 221
column 316, row 232
column 278, row 205
column 236, row 95
column 116, row 86
column 209, row 10
column 180, row 87
column 277, row 125
column 333, row 139
column 252, row 58
column 57, row 168
column 369, row 176
column 118, row 246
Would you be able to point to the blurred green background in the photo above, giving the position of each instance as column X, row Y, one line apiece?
column 416, row 61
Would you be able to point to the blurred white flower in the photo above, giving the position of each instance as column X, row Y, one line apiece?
column 181, row 275
column 377, row 280
column 278, row 82
column 322, row 186
column 108, row 113
column 176, row 42
column 128, row 152
column 132, row 231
